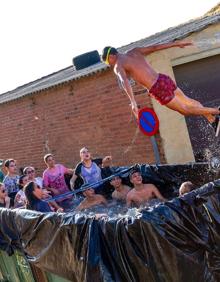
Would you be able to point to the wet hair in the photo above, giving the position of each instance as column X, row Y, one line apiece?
column 116, row 176
column 84, row 192
column 113, row 51
column 186, row 187
column 134, row 171
column 47, row 156
column 8, row 161
column 31, row 198
column 20, row 181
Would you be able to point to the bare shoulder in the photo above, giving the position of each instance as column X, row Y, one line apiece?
column 81, row 206
column 127, row 188
column 101, row 198
column 133, row 51
column 98, row 196
column 150, row 186
column 130, row 193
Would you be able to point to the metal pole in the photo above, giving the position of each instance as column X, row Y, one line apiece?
column 155, row 148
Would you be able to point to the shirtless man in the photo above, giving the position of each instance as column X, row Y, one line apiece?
column 91, row 200
column 121, row 190
column 141, row 193
column 160, row 86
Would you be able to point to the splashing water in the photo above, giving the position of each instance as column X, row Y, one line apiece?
column 116, row 210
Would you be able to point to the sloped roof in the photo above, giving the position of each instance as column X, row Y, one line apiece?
column 69, row 73
column 214, row 10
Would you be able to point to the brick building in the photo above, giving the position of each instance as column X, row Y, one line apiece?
column 69, row 109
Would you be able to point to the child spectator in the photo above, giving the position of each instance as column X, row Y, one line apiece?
column 20, row 198
column 11, row 178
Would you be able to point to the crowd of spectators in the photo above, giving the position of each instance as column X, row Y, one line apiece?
column 52, row 190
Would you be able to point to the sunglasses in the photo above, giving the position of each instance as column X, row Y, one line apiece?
column 30, row 171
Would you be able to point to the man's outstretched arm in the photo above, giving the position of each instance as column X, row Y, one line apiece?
column 157, row 193
column 127, row 87
column 154, row 48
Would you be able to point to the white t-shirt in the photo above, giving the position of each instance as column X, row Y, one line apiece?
column 20, row 199
column 39, row 181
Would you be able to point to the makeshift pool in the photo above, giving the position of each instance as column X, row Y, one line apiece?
column 175, row 241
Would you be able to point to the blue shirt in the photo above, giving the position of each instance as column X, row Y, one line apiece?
column 41, row 206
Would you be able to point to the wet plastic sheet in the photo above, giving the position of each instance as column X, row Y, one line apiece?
column 176, row 241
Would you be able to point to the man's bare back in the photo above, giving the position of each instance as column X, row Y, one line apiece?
column 135, row 66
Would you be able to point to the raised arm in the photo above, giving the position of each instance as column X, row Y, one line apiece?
column 121, row 74
column 154, row 48
column 106, row 161
column 72, row 181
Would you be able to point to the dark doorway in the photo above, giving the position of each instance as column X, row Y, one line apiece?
column 200, row 80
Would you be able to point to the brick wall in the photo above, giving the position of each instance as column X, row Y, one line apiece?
column 92, row 112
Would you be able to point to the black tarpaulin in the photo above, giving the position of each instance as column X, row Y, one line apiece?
column 175, row 241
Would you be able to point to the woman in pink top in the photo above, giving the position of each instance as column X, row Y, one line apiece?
column 54, row 176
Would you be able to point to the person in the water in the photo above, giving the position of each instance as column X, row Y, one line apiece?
column 91, row 200
column 186, row 187
column 141, row 193
column 160, row 86
column 121, row 190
